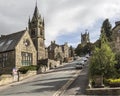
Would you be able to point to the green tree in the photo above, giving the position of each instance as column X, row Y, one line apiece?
column 79, row 50
column 107, row 29
column 82, row 50
column 88, row 48
column 103, row 60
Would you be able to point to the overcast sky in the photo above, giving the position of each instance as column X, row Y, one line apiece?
column 65, row 20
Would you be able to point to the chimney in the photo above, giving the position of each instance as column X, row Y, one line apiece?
column 117, row 23
column 3, row 35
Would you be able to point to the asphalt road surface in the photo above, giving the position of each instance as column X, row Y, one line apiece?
column 78, row 87
column 50, row 84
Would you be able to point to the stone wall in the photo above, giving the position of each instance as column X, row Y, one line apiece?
column 28, row 74
column 47, row 64
column 7, row 79
column 103, row 91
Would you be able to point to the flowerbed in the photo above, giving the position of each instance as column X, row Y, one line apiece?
column 114, row 82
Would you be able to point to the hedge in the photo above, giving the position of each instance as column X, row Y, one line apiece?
column 24, row 69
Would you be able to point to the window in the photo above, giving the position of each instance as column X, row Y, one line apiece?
column 26, row 42
column 41, row 32
column 26, row 58
column 33, row 32
column 3, row 59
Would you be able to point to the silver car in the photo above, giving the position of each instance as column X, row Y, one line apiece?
column 79, row 64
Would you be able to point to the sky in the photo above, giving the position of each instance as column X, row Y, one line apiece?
column 65, row 20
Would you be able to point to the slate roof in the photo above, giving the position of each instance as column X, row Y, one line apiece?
column 9, row 42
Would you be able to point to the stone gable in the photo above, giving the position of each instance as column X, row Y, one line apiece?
column 23, row 47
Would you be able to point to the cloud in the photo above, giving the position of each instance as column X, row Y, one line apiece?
column 62, row 17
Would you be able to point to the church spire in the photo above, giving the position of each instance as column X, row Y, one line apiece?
column 29, row 22
column 43, row 22
column 36, row 12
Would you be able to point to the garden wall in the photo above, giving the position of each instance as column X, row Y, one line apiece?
column 7, row 79
column 103, row 91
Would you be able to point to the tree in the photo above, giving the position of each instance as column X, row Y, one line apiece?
column 107, row 29
column 103, row 60
column 79, row 50
column 82, row 50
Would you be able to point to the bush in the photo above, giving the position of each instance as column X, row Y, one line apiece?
column 24, row 69
column 114, row 82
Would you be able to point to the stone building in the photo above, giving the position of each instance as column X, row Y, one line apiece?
column 116, row 37
column 58, row 52
column 65, row 50
column 16, row 50
column 85, row 38
column 55, row 52
column 71, row 52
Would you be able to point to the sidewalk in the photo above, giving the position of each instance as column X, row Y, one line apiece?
column 29, row 78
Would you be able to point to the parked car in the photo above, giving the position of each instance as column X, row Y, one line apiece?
column 79, row 64
column 87, row 55
column 84, row 59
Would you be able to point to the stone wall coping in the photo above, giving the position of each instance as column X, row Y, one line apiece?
column 105, row 88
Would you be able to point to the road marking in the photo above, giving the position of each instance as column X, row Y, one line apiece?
column 61, row 91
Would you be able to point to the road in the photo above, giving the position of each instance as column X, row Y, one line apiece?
column 78, row 87
column 52, row 83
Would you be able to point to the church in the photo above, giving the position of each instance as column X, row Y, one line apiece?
column 85, row 38
column 25, row 47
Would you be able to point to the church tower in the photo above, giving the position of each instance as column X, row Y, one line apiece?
column 85, row 38
column 37, row 33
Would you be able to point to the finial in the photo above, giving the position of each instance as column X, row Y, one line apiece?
column 29, row 20
column 36, row 2
column 43, row 21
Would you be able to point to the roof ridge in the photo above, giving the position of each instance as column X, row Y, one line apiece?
column 12, row 33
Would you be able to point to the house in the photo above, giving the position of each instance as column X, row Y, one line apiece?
column 65, row 50
column 59, row 52
column 16, row 50
column 55, row 52
column 116, row 37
